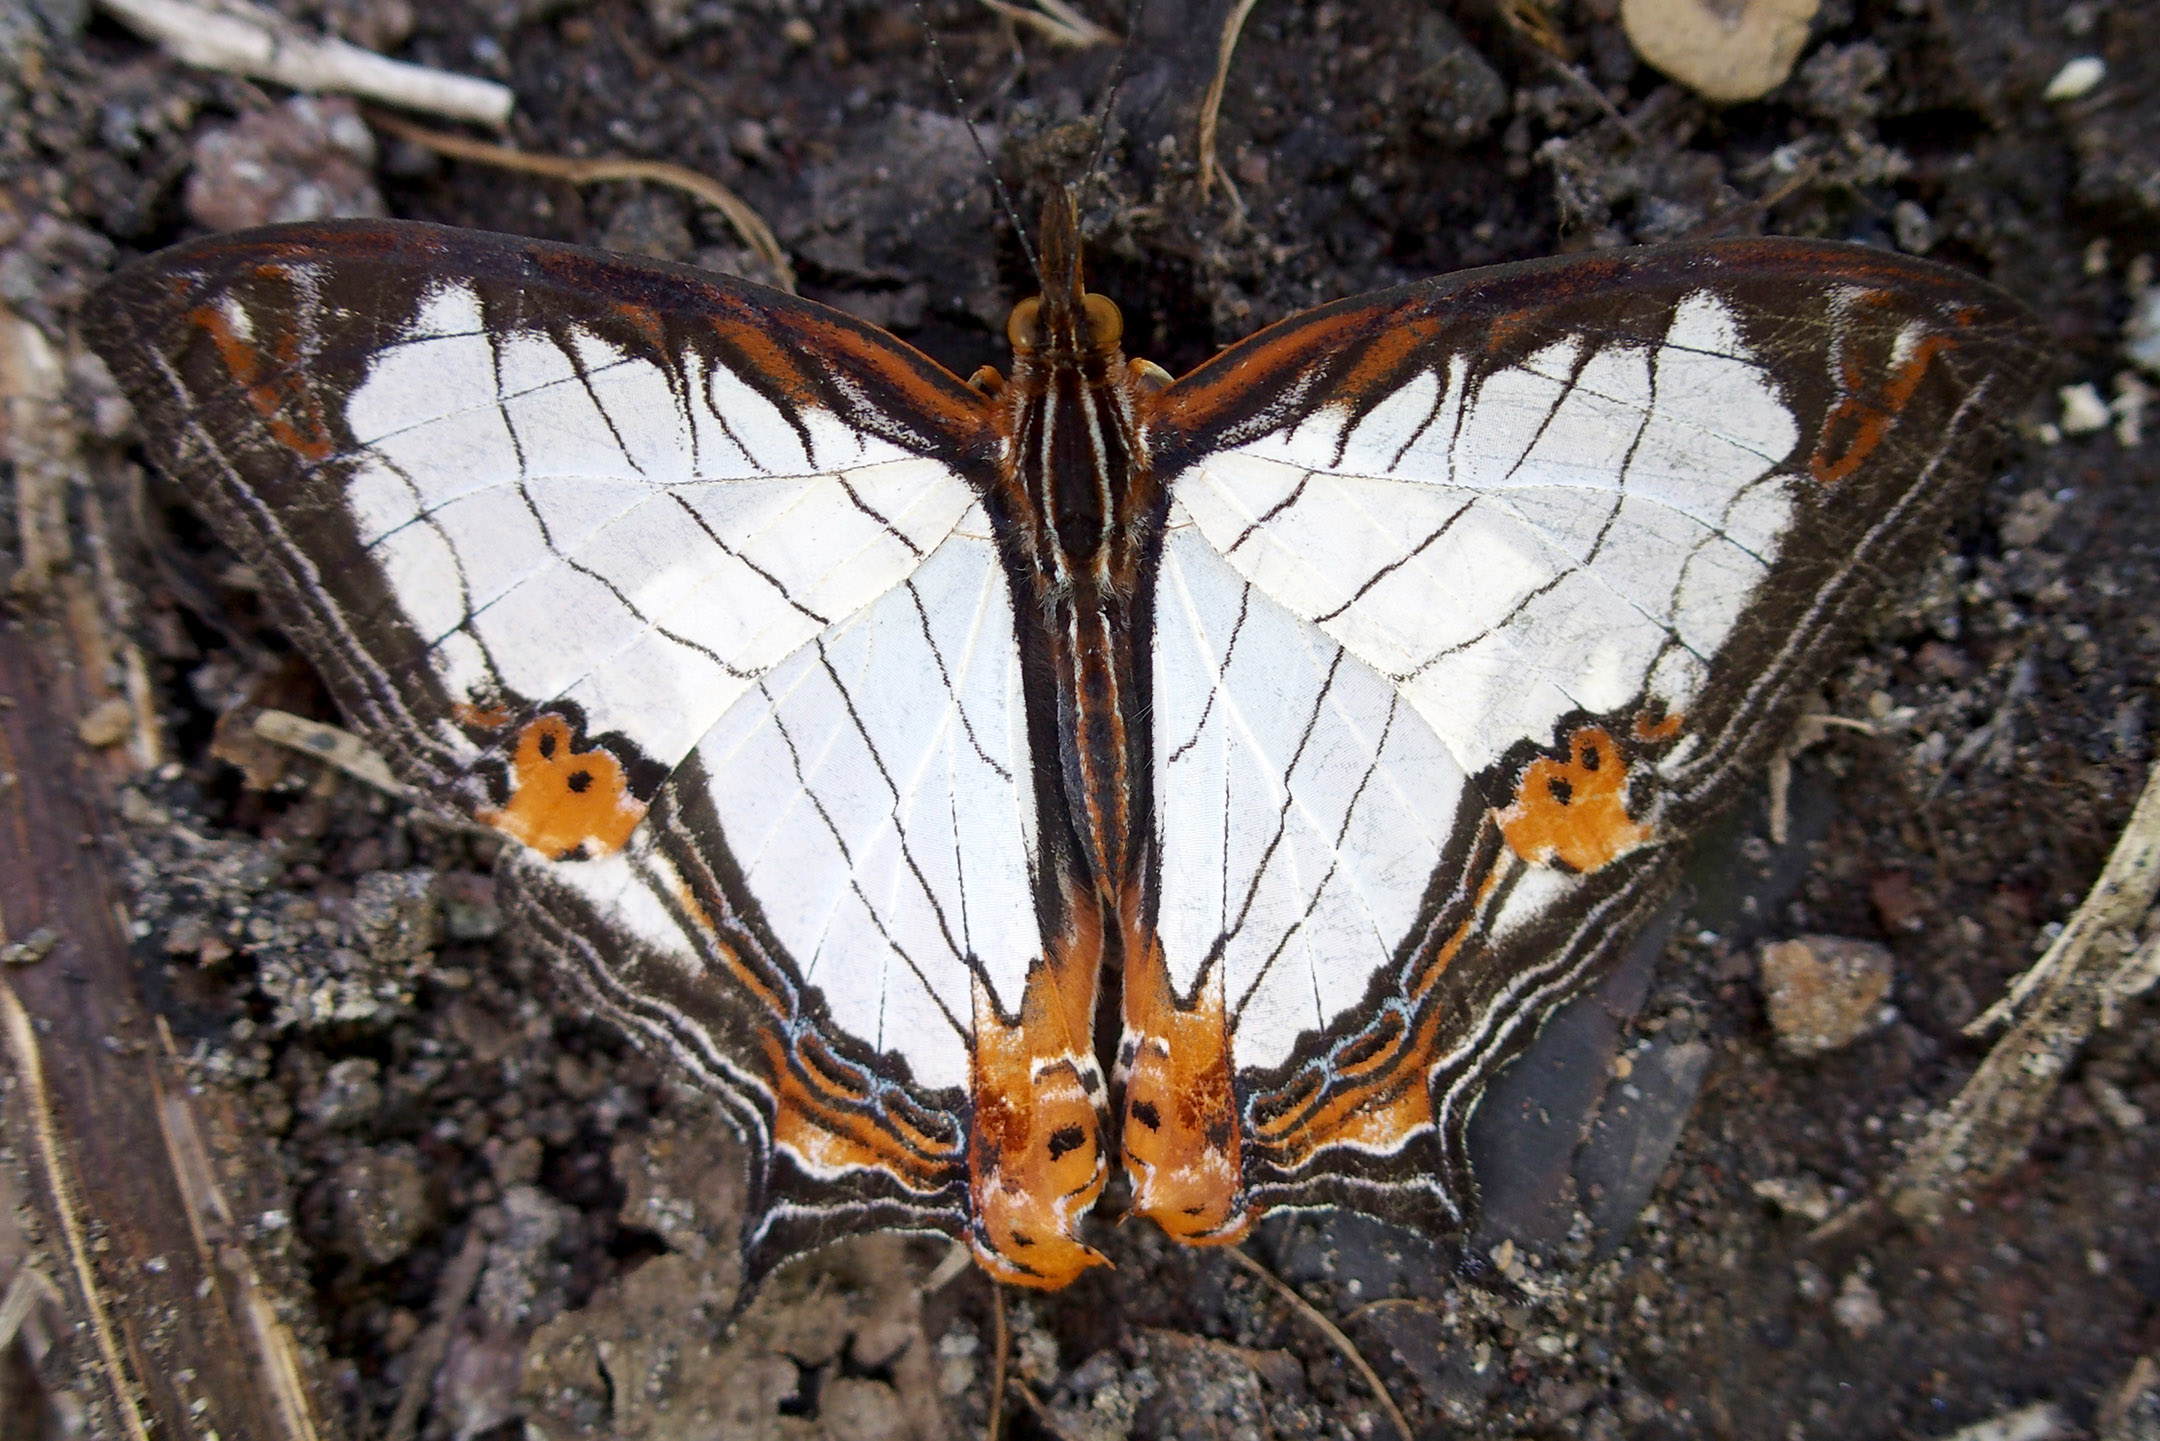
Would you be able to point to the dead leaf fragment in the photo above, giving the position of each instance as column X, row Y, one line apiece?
column 1723, row 50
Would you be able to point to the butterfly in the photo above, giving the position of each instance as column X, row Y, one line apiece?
column 980, row 784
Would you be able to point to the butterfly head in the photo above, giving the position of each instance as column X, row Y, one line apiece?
column 1066, row 321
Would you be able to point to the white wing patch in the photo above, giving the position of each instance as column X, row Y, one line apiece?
column 563, row 520
column 1301, row 805
column 873, row 788
column 1558, row 537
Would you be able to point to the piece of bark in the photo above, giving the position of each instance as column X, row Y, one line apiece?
column 174, row 1329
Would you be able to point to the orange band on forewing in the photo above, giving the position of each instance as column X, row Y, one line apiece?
column 289, row 410
column 565, row 802
column 1573, row 812
column 1663, row 729
column 1852, row 431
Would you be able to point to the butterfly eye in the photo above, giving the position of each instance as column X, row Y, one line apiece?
column 1105, row 325
column 1023, row 327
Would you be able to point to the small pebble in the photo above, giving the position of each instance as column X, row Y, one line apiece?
column 1824, row 992
column 1857, row 1308
column 2077, row 78
column 107, row 725
column 2083, row 411
column 2141, row 332
column 30, row 949
column 1725, row 56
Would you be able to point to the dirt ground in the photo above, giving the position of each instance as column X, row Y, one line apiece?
column 444, row 1123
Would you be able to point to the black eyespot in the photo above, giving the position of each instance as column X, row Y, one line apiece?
column 1218, row 1135
column 1562, row 790
column 1022, row 1238
column 1590, row 758
column 547, row 745
column 580, row 781
column 1065, row 1139
column 1145, row 1113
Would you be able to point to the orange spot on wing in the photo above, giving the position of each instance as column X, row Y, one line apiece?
column 1658, row 730
column 487, row 717
column 565, row 802
column 1573, row 812
column 1181, row 1134
column 1860, row 421
column 641, row 319
column 289, row 409
column 1036, row 1159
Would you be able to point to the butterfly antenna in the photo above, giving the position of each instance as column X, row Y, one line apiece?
column 1117, row 83
column 937, row 57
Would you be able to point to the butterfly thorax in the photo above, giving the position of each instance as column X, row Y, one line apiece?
column 1080, row 488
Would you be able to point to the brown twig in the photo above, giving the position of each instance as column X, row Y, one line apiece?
column 1596, row 96
column 433, row 1345
column 748, row 224
column 2075, row 988
column 1001, row 1352
column 1804, row 175
column 211, row 1221
column 1334, row 1334
column 1044, row 1414
column 1211, row 107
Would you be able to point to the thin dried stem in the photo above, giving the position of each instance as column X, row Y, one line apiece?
column 1056, row 20
column 236, row 38
column 1334, row 1334
column 748, row 224
column 1000, row 1355
column 429, row 1352
column 2052, row 1010
column 1211, row 107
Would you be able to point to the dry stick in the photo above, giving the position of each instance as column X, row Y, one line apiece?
column 211, row 1222
column 2075, row 987
column 748, row 223
column 1333, row 1332
column 234, row 38
column 1211, row 107
column 1043, row 1413
column 433, row 1345
column 22, row 1047
column 1002, row 1351
column 1059, row 21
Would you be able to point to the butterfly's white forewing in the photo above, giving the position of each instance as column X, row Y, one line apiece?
column 1548, row 540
